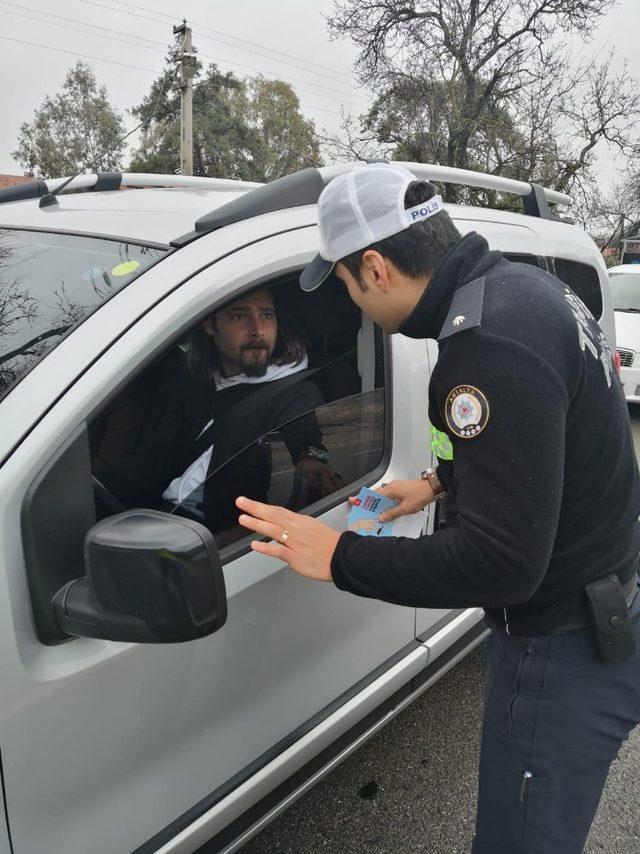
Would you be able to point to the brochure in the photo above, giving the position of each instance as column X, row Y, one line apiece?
column 363, row 518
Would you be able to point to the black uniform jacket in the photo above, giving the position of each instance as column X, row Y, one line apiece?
column 544, row 480
column 172, row 439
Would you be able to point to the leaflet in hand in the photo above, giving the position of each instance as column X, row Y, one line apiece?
column 363, row 518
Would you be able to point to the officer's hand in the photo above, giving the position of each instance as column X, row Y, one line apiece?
column 309, row 544
column 413, row 495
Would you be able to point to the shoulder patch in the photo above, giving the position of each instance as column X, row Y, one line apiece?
column 465, row 311
column 466, row 411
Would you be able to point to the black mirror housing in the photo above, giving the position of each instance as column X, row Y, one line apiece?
column 151, row 577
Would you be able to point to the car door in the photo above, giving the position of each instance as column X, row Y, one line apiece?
column 107, row 745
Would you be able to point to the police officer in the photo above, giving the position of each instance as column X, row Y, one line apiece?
column 538, row 464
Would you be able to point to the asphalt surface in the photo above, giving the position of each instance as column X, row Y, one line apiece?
column 412, row 788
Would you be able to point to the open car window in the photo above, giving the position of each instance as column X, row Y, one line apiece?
column 351, row 431
column 170, row 440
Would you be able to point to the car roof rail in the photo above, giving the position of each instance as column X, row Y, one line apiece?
column 101, row 181
column 304, row 188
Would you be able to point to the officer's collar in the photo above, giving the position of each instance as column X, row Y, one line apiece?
column 468, row 259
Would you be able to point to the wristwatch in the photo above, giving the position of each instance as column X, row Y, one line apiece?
column 431, row 475
column 315, row 453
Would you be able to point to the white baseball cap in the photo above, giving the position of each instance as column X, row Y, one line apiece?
column 359, row 208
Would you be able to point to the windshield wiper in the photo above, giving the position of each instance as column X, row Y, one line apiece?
column 635, row 310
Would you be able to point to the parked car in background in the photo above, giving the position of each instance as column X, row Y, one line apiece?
column 625, row 291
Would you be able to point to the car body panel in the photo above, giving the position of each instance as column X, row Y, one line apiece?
column 156, row 215
column 161, row 727
column 630, row 378
column 628, row 339
column 628, row 333
column 228, row 809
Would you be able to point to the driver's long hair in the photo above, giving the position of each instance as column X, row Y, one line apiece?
column 203, row 359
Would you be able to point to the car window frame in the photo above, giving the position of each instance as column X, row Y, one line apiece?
column 538, row 261
column 236, row 550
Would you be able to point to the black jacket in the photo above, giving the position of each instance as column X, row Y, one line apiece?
column 544, row 480
column 172, row 440
column 237, row 469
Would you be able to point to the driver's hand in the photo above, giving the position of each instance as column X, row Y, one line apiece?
column 413, row 495
column 321, row 478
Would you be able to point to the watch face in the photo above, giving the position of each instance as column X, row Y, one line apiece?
column 317, row 454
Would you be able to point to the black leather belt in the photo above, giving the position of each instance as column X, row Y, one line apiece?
column 567, row 616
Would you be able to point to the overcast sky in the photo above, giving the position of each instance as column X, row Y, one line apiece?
column 287, row 39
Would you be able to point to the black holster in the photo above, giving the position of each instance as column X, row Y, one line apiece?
column 611, row 628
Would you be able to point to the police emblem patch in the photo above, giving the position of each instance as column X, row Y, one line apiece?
column 467, row 411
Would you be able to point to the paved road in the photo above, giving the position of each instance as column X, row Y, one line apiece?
column 412, row 788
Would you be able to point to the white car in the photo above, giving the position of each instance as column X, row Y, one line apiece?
column 625, row 291
column 162, row 689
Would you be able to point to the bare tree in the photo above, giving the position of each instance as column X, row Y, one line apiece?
column 604, row 107
column 486, row 84
column 611, row 216
column 352, row 142
column 17, row 307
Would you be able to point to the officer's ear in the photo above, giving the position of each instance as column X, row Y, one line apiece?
column 375, row 270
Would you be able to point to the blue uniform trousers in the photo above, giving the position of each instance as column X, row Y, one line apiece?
column 555, row 718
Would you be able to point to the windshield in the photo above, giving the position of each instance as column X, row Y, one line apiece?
column 52, row 282
column 625, row 289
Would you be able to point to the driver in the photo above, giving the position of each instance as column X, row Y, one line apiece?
column 244, row 376
column 248, row 354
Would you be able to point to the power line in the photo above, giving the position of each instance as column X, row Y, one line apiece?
column 240, row 39
column 128, row 65
column 235, row 62
column 81, row 55
column 75, row 29
column 163, row 47
column 292, row 79
column 76, row 21
column 154, row 19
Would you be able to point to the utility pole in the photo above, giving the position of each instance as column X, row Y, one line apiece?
column 187, row 60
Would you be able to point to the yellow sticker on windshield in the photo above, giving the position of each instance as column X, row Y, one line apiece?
column 125, row 269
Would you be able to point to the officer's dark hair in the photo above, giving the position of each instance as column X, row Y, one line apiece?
column 203, row 359
column 417, row 250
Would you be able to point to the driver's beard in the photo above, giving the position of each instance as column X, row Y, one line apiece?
column 253, row 368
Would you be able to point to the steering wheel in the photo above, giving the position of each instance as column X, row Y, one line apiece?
column 106, row 502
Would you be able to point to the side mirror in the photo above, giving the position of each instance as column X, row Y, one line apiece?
column 152, row 577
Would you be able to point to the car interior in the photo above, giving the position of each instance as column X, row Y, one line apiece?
column 346, row 363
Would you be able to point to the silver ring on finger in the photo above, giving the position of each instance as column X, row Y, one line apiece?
column 284, row 536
